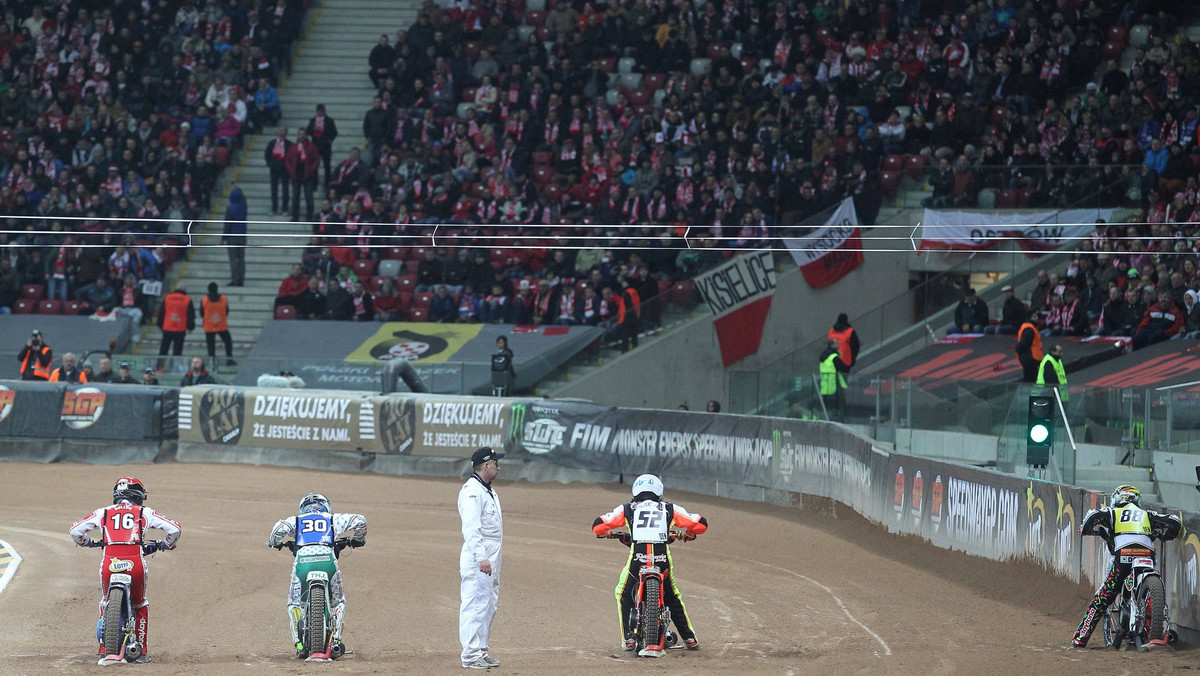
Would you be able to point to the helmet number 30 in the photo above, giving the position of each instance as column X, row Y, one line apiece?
column 314, row 525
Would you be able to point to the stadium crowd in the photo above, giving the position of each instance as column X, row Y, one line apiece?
column 115, row 119
column 732, row 122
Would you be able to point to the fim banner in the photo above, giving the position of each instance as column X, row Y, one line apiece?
column 739, row 294
column 832, row 252
column 308, row 420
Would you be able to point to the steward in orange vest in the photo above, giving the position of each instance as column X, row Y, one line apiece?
column 215, row 308
column 1029, row 348
column 178, row 316
column 847, row 339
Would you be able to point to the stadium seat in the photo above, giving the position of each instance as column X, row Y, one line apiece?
column 24, row 306
column 664, row 285
column 374, row 283
column 50, row 307
column 523, row 33
column 893, row 163
column 1139, row 35
column 626, row 64
column 535, row 18
column 364, row 267
column 681, row 293
column 417, row 314
column 631, row 80
column 398, row 253
column 714, row 50
column 285, row 312
column 463, row 111
column 987, row 198
column 735, row 50
column 1193, row 34
column 1006, row 199
column 468, row 95
column 33, row 291
column 654, row 81
column 915, row 164
column 638, row 97
column 1023, row 197
column 72, row 307
column 1112, row 51
column 543, row 158
column 1118, row 34
column 700, row 67
column 406, row 283
column 890, row 181
column 660, row 95
column 390, row 268
column 610, row 96
column 542, row 176
column 537, row 5
column 606, row 65
column 422, row 300
column 471, row 49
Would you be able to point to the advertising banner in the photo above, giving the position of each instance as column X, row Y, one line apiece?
column 832, row 252
column 455, row 426
column 55, row 411
column 739, row 294
column 571, row 433
column 302, row 419
column 30, row 409
column 977, row 230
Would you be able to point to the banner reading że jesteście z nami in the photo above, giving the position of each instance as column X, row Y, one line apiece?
column 739, row 294
column 831, row 252
column 312, row 419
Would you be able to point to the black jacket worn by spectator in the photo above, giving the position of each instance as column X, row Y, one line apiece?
column 203, row 377
column 310, row 304
column 971, row 314
column 339, row 305
column 376, row 124
column 1013, row 313
column 1118, row 317
column 430, row 272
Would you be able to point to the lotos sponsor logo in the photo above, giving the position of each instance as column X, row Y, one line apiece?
column 898, row 493
column 7, row 397
column 918, row 494
column 82, row 408
column 119, row 565
column 935, row 501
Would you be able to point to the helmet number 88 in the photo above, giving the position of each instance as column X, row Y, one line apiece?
column 1133, row 515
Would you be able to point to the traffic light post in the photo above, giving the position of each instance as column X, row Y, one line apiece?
column 1040, row 427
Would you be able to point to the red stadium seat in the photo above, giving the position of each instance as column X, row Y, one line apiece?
column 714, row 50
column 471, row 49
column 72, row 307
column 1111, row 51
column 422, row 300
column 542, row 157
column 747, row 63
column 638, row 97
column 915, row 164
column 606, row 65
column 1118, row 34
column 664, row 285
column 468, row 95
column 890, row 182
column 653, row 81
column 50, row 307
column 1023, row 196
column 681, row 293
column 418, row 315
column 33, row 291
column 24, row 306
column 542, row 176
column 285, row 312
column 397, row 253
column 893, row 163
column 1006, row 199
column 364, row 267
column 406, row 284
column 535, row 18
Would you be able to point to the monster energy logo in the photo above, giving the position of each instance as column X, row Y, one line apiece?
column 516, row 424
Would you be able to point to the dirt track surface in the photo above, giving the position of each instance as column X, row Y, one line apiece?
column 771, row 590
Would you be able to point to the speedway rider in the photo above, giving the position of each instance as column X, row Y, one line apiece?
column 123, row 529
column 1129, row 532
column 649, row 520
column 313, row 531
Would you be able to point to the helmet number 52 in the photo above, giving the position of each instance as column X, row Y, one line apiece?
column 649, row 519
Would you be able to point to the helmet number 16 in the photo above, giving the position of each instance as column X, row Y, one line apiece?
column 123, row 521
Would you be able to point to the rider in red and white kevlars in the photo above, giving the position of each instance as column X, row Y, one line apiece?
column 1129, row 532
column 649, row 520
column 123, row 529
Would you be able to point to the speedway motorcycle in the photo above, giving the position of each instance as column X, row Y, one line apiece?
column 117, row 628
column 650, row 619
column 1139, row 616
column 314, row 617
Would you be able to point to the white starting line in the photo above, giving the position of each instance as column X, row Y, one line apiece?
column 9, row 561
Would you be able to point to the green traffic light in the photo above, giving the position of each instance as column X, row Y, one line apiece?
column 1038, row 433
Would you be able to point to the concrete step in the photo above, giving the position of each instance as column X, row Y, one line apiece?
column 1104, row 478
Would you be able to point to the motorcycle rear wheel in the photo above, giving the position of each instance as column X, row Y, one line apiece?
column 1151, row 604
column 315, row 637
column 650, row 611
column 1114, row 631
column 114, row 628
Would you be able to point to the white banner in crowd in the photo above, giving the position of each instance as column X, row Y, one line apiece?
column 832, row 252
column 739, row 294
column 975, row 230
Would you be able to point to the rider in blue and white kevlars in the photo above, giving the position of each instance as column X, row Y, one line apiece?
column 317, row 526
column 1129, row 532
column 649, row 519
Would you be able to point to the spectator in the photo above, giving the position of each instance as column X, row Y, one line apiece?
column 364, row 304
column 302, row 162
column 292, row 286
column 847, row 339
column 338, row 303
column 105, row 374
column 275, row 155
column 430, row 272
column 35, row 358
column 1012, row 313
column 323, row 131
column 713, row 406
column 132, row 302
column 198, row 375
column 504, row 372
column 1161, row 322
column 148, row 376
column 234, row 236
column 1191, row 317
column 442, row 308
column 123, row 375
column 97, row 296
column 267, row 110
column 971, row 314
column 469, row 306
column 310, row 303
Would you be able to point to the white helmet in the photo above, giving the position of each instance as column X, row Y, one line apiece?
column 648, row 483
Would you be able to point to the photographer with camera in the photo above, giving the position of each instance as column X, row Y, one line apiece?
column 35, row 358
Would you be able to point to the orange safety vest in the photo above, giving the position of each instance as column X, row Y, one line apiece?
column 620, row 301
column 216, row 314
column 1037, row 340
column 57, row 376
column 175, row 312
column 843, row 340
column 39, row 372
column 637, row 300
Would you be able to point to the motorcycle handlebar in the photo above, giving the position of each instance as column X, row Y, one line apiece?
column 672, row 536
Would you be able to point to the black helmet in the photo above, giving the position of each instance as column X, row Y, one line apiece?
column 129, row 488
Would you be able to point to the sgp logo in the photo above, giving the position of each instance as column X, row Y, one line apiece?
column 82, row 408
column 7, row 397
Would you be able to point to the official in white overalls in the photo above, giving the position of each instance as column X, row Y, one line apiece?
column 479, row 563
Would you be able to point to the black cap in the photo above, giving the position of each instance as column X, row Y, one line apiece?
column 484, row 454
column 35, row 332
column 149, row 369
column 124, row 365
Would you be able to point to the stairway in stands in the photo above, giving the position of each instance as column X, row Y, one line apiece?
column 331, row 68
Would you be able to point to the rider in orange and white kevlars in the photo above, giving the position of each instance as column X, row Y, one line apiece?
column 649, row 520
column 123, row 528
column 1129, row 532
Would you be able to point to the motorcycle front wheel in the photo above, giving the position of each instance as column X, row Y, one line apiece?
column 315, row 637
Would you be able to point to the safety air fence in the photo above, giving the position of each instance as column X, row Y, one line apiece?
column 976, row 510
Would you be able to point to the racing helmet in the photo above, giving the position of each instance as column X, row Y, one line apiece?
column 129, row 488
column 648, row 483
column 314, row 502
column 1126, row 494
